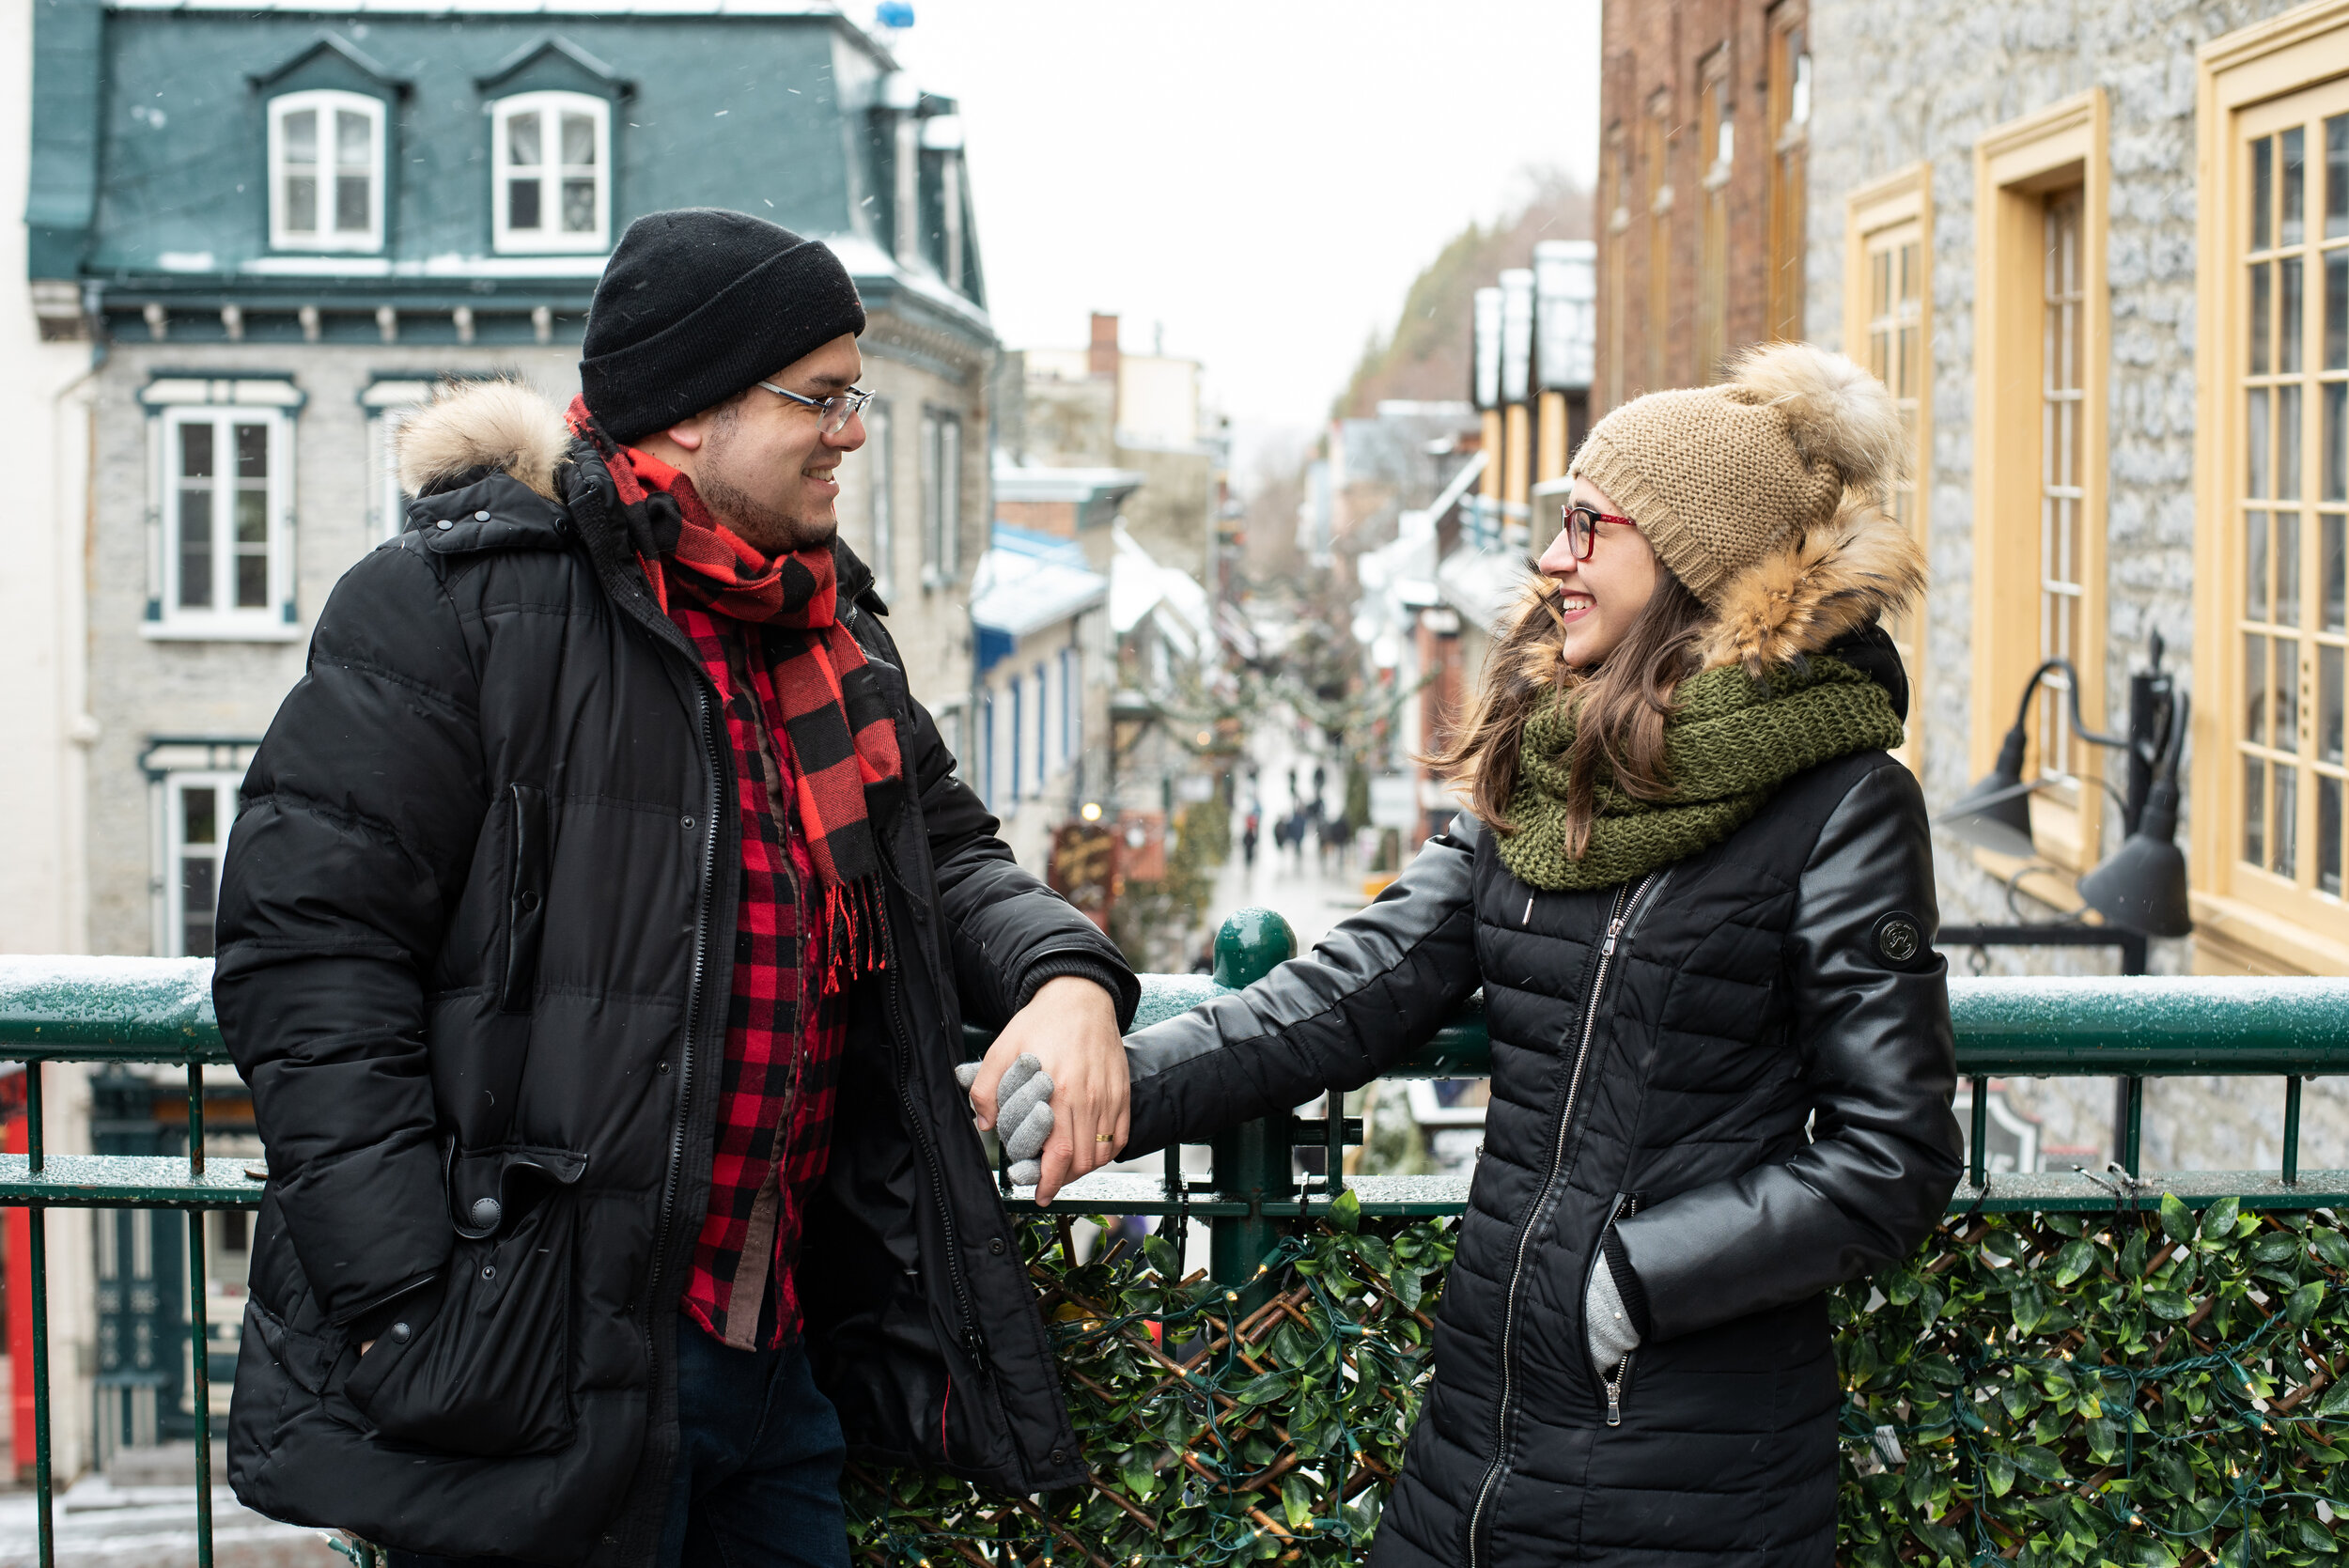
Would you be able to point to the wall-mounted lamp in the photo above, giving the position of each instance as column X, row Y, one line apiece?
column 2141, row 887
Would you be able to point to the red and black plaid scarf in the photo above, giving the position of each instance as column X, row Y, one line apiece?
column 831, row 709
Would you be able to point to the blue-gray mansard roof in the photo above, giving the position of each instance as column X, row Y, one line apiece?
column 150, row 153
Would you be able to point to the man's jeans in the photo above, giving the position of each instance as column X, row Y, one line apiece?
column 758, row 1464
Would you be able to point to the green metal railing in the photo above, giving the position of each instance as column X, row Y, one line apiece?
column 160, row 1012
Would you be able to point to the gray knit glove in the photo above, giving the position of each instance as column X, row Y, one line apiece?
column 1611, row 1334
column 1023, row 1113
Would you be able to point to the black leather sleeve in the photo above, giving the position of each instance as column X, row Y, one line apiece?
column 1877, row 1050
column 1008, row 932
column 1376, row 988
column 360, row 813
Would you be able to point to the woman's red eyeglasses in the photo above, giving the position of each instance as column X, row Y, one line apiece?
column 1581, row 526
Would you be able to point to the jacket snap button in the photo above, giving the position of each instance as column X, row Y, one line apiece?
column 489, row 1271
column 688, row 821
column 1060, row 1457
column 481, row 517
column 486, row 1211
column 996, row 1247
column 444, row 524
column 529, row 902
column 400, row 1332
column 665, row 1066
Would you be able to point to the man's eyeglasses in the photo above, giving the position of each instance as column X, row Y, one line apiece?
column 832, row 413
column 1581, row 527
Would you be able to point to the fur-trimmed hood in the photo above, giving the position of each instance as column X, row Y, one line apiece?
column 472, row 429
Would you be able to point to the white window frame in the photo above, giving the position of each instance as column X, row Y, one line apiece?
column 551, row 173
column 388, row 404
column 326, row 102
column 881, row 496
column 268, row 621
column 172, row 936
column 941, row 497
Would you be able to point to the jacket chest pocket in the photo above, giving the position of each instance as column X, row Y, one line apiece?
column 525, row 895
column 487, row 1370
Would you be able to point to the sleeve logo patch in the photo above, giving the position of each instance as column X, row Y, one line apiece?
column 1899, row 937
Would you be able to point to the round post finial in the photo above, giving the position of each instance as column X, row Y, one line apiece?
column 1252, row 944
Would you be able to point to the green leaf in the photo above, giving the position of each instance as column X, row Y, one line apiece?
column 1139, row 1474
column 2177, row 1221
column 2302, row 1304
column 2275, row 1248
column 2001, row 1469
column 2336, row 1402
column 2077, row 1259
column 1297, row 1502
column 2332, row 1246
column 2313, row 1536
column 2218, row 1219
column 1940, row 1539
column 1345, row 1214
column 2169, row 1304
column 1261, row 1389
column 2041, row 1463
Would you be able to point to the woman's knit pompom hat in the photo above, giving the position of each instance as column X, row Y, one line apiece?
column 1718, row 478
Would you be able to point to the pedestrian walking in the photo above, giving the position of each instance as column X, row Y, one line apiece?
column 1698, row 894
column 596, row 939
column 1248, row 838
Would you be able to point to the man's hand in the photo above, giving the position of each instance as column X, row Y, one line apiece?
column 1070, row 1025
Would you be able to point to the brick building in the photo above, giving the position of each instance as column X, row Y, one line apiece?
column 1704, row 107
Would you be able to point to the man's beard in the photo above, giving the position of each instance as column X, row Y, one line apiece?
column 761, row 525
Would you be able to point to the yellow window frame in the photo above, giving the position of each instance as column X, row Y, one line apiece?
column 1887, row 325
column 2255, row 84
column 2017, row 166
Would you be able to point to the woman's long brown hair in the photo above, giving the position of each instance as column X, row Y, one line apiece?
column 1623, row 702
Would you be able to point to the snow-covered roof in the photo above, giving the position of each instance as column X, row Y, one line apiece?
column 1080, row 485
column 1140, row 586
column 1481, row 583
column 1027, row 582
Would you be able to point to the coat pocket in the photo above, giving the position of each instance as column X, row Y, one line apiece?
column 525, row 895
column 489, row 1371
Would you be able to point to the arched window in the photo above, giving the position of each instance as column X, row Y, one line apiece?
column 553, row 178
column 326, row 172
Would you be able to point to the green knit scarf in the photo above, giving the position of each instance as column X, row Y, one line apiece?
column 1728, row 744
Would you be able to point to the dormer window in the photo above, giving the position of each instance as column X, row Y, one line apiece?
column 552, row 188
column 326, row 171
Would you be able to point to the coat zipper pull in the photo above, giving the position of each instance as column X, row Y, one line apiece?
column 1614, row 1392
column 1614, row 928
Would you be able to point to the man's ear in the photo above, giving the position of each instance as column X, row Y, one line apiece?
column 688, row 433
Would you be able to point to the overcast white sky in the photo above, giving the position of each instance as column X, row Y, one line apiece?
column 1261, row 180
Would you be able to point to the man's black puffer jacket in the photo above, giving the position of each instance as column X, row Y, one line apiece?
column 476, row 928
column 1658, row 1050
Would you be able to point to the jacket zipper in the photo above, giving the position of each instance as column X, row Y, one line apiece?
column 692, row 1001
column 974, row 1339
column 1619, row 916
column 1623, row 1368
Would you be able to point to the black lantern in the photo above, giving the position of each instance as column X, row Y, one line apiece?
column 2141, row 888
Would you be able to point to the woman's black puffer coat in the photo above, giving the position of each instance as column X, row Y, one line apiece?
column 1743, row 1059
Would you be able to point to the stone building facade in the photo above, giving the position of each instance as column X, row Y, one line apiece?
column 2092, row 249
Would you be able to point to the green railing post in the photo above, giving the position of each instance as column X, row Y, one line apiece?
column 199, row 1330
column 2291, row 1129
column 36, row 1231
column 1253, row 1162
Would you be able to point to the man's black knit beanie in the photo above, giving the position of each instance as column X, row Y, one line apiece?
column 698, row 304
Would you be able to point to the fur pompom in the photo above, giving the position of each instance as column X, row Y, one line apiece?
column 1858, row 567
column 502, row 424
column 1836, row 411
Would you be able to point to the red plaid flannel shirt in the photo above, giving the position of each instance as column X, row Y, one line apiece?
column 784, row 1036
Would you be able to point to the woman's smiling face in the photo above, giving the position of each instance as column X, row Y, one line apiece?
column 1598, row 599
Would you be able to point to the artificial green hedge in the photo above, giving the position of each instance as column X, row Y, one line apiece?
column 2148, row 1387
